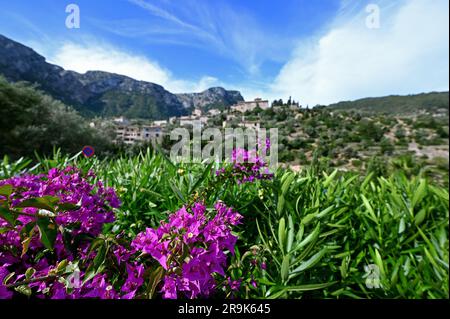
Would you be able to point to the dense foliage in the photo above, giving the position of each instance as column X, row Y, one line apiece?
column 318, row 233
column 415, row 130
column 397, row 104
column 352, row 138
column 31, row 121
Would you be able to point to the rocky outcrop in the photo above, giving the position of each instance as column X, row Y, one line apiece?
column 102, row 93
column 212, row 97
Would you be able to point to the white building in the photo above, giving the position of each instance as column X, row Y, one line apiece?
column 131, row 134
column 121, row 120
column 186, row 120
column 214, row 112
column 250, row 124
column 250, row 105
column 197, row 112
column 172, row 119
column 160, row 123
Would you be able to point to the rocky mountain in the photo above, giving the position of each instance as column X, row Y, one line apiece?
column 102, row 93
column 212, row 97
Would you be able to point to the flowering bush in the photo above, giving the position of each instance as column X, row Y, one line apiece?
column 191, row 248
column 247, row 165
column 308, row 235
column 52, row 244
column 47, row 222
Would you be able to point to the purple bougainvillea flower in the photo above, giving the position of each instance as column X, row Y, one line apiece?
column 247, row 166
column 69, row 186
column 4, row 292
column 234, row 284
column 191, row 248
column 134, row 280
column 170, row 287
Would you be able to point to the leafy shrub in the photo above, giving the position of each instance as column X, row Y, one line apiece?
column 33, row 122
column 312, row 234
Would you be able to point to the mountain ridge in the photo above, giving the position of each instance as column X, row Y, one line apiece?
column 103, row 93
column 397, row 104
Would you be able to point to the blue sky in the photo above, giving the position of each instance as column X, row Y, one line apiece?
column 316, row 51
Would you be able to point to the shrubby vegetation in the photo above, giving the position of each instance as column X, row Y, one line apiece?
column 364, row 215
column 397, row 104
column 317, row 233
column 31, row 121
column 346, row 136
column 349, row 134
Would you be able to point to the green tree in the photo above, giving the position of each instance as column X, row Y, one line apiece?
column 31, row 121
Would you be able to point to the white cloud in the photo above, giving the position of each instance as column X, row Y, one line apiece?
column 213, row 26
column 408, row 54
column 104, row 57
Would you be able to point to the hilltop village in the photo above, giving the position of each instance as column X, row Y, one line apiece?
column 130, row 132
column 346, row 137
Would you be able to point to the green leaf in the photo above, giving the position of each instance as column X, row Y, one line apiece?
column 206, row 173
column 310, row 286
column 290, row 239
column 26, row 230
column 369, row 208
column 29, row 273
column 308, row 218
column 25, row 244
column 266, row 244
column 38, row 202
column 329, row 179
column 287, row 183
column 285, row 268
column 401, row 226
column 154, row 280
column 420, row 193
column 61, row 267
column 98, row 263
column 100, row 257
column 7, row 215
column 51, row 199
column 163, row 154
column 6, row 190
column 344, row 266
column 177, row 191
column 24, row 289
column 68, row 207
column 367, row 180
column 48, row 232
column 418, row 219
column 325, row 211
column 280, row 204
column 379, row 262
column 440, row 192
column 283, row 290
column 27, row 234
column 8, row 278
column 300, row 233
column 310, row 237
column 281, row 233
column 5, row 229
column 310, row 262
column 265, row 281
